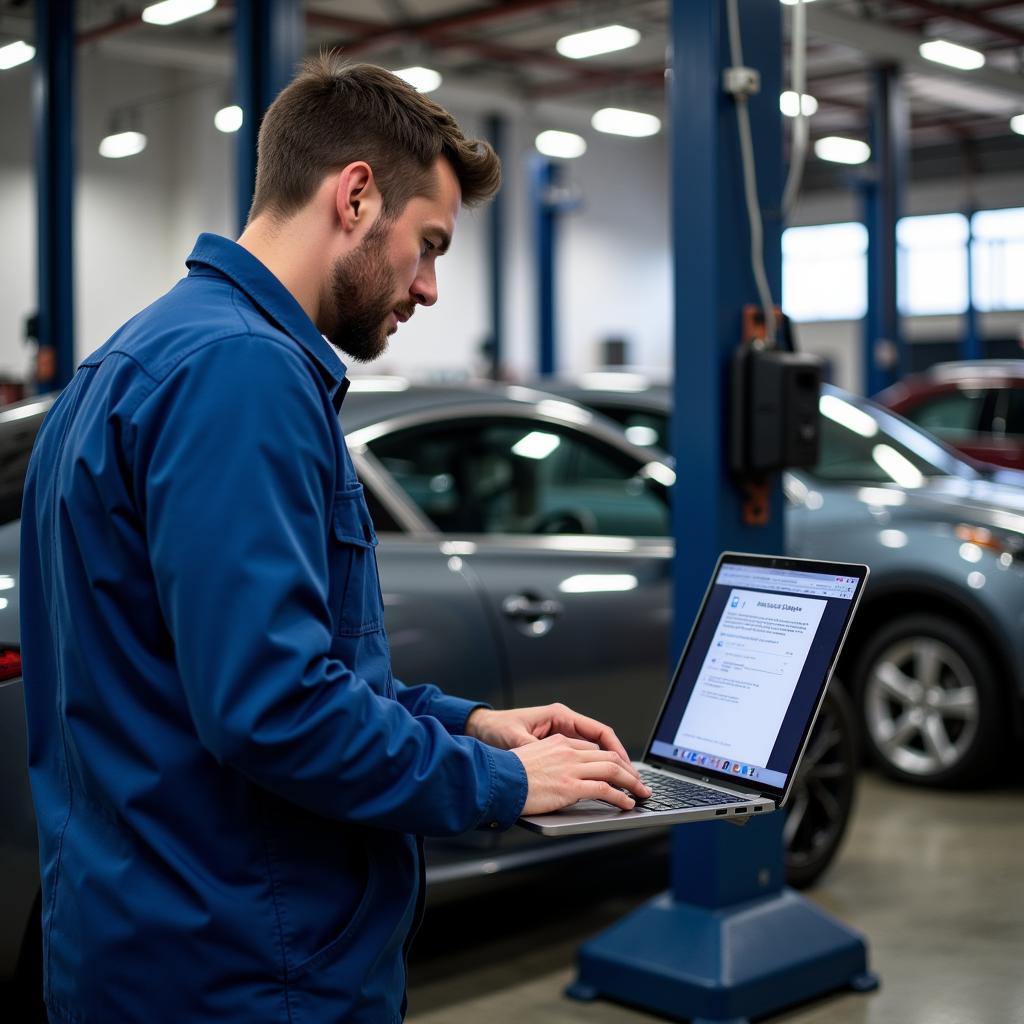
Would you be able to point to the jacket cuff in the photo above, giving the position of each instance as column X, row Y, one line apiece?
column 508, row 789
column 452, row 712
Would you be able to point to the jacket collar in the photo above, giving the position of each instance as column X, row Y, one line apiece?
column 274, row 300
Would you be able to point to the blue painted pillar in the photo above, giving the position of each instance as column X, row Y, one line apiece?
column 713, row 277
column 544, row 177
column 269, row 42
column 885, row 356
column 971, row 346
column 727, row 943
column 495, row 130
column 55, row 166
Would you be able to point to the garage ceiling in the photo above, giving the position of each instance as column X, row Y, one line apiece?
column 507, row 50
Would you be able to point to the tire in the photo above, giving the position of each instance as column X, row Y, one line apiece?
column 821, row 802
column 930, row 707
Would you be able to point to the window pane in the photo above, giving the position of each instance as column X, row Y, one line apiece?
column 998, row 259
column 953, row 416
column 932, row 267
column 521, row 477
column 1013, row 425
column 824, row 272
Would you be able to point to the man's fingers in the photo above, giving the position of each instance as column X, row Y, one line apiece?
column 593, row 789
column 614, row 773
column 595, row 755
column 597, row 732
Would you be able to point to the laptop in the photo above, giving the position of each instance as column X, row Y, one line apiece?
column 739, row 710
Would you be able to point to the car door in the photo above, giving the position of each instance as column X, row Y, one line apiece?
column 564, row 538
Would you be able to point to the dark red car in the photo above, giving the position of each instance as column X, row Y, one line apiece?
column 977, row 407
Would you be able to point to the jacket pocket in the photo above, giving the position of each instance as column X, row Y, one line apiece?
column 356, row 605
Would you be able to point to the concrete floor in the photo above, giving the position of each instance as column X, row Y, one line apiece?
column 934, row 881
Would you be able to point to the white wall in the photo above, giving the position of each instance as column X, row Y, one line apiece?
column 136, row 220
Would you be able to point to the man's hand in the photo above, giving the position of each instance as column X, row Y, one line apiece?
column 509, row 729
column 567, row 756
column 561, row 771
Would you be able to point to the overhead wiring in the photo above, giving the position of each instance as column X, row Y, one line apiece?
column 741, row 82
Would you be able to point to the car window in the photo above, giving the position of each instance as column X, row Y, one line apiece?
column 17, row 436
column 1009, row 417
column 522, row 477
column 952, row 415
column 855, row 449
column 643, row 427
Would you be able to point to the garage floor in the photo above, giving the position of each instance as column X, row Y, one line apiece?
column 935, row 881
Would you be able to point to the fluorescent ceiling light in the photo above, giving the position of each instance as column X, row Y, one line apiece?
column 789, row 105
column 793, row 3
column 952, row 55
column 170, row 11
column 897, row 465
column 614, row 121
column 563, row 144
column 842, row 151
column 14, row 54
column 122, row 144
column 594, row 584
column 642, row 437
column 421, row 79
column 1017, row 124
column 228, row 119
column 536, row 445
column 597, row 40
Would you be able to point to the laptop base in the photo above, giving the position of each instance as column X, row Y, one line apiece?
column 743, row 956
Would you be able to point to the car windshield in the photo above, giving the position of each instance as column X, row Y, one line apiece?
column 860, row 442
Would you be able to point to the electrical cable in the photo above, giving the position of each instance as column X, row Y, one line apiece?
column 801, row 128
column 750, row 181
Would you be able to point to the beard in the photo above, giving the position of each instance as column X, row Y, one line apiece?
column 362, row 286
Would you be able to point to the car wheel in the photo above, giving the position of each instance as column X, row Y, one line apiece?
column 821, row 803
column 930, row 705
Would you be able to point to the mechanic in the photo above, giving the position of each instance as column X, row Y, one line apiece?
column 228, row 780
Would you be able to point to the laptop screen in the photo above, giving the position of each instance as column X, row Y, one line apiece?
column 755, row 668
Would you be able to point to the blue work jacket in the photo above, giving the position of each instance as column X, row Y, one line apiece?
column 227, row 778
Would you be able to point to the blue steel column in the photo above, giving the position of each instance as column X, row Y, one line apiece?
column 269, row 42
column 55, row 165
column 884, row 350
column 544, row 177
column 495, row 130
column 971, row 346
column 727, row 942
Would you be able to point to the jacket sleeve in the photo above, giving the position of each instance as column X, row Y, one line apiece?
column 233, row 468
column 426, row 699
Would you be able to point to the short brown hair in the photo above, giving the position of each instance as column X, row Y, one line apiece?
column 334, row 113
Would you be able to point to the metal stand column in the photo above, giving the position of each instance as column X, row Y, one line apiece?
column 496, row 250
column 884, row 350
column 728, row 942
column 55, row 168
column 544, row 177
column 269, row 38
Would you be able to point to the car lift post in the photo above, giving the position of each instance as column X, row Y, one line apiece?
column 728, row 942
column 269, row 38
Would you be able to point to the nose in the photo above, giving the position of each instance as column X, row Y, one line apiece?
column 424, row 288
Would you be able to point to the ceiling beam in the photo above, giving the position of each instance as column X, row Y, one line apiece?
column 892, row 45
column 968, row 16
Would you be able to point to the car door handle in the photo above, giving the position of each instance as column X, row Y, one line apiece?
column 520, row 606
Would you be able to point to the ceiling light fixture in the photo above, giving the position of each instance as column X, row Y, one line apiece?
column 228, row 119
column 168, row 12
column 952, row 55
column 1017, row 124
column 633, row 123
column 122, row 144
column 842, row 151
column 14, row 54
column 790, row 106
column 421, row 79
column 566, row 145
column 580, row 45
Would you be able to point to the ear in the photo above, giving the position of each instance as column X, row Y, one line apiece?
column 357, row 199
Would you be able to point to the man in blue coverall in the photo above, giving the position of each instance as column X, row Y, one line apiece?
column 228, row 779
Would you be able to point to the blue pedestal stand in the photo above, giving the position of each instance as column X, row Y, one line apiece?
column 729, row 942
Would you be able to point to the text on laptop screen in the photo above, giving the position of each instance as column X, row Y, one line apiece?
column 753, row 672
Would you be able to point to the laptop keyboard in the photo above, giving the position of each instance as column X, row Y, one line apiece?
column 673, row 794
